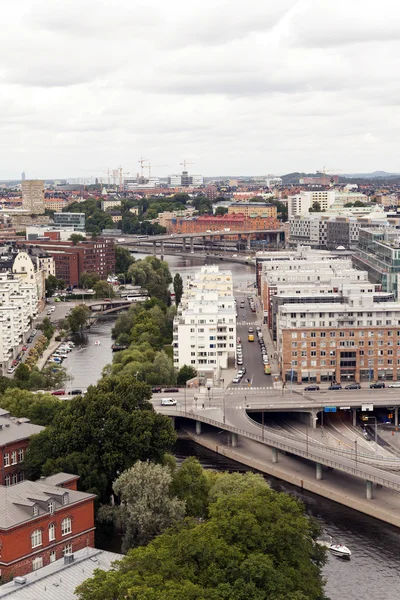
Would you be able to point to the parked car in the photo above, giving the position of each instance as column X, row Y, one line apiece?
column 75, row 392
column 236, row 379
column 395, row 384
column 171, row 390
column 58, row 393
column 377, row 384
column 312, row 388
column 250, row 330
column 25, row 348
column 156, row 390
column 10, row 370
column 168, row 402
column 242, row 371
column 353, row 386
column 335, row 386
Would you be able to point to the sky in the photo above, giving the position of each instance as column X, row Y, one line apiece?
column 233, row 87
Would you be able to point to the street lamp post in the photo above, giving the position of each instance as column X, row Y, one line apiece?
column 355, row 451
column 369, row 373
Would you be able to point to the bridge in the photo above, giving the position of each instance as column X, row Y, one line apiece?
column 273, row 238
column 230, row 410
column 109, row 307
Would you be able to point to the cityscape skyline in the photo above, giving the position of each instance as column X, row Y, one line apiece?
column 267, row 89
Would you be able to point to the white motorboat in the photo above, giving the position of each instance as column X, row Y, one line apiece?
column 340, row 551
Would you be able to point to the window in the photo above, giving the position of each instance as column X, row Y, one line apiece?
column 50, row 506
column 7, row 480
column 52, row 532
column 36, row 538
column 53, row 556
column 67, row 549
column 6, row 459
column 37, row 563
column 14, row 457
column 20, row 455
column 66, row 526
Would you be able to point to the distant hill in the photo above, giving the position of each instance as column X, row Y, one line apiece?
column 374, row 175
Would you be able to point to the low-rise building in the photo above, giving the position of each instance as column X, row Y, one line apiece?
column 42, row 521
column 253, row 209
column 75, row 220
column 378, row 252
column 110, row 203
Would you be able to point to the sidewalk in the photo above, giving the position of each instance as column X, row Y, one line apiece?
column 47, row 353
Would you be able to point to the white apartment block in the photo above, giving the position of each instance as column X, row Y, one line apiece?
column 106, row 204
column 300, row 204
column 204, row 334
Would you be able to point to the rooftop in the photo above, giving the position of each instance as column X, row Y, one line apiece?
column 60, row 579
column 13, row 429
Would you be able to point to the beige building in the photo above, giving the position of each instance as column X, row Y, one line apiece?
column 33, row 196
column 253, row 209
column 107, row 204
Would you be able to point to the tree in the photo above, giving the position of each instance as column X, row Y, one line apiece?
column 185, row 373
column 76, row 237
column 220, row 211
column 79, row 317
column 123, row 260
column 147, row 507
column 102, row 289
column 153, row 275
column 316, row 207
column 41, row 409
column 100, row 435
column 88, row 280
column 52, row 284
column 255, row 545
column 191, row 484
column 178, row 288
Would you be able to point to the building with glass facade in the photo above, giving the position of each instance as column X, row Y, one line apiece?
column 67, row 219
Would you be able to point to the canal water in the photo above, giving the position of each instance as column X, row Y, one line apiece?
column 374, row 570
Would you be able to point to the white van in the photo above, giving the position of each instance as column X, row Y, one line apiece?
column 168, row 402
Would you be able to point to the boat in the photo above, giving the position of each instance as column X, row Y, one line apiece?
column 340, row 551
column 97, row 343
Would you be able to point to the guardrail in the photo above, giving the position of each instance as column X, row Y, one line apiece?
column 374, row 474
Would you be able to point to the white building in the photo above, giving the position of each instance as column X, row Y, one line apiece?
column 205, row 326
column 106, row 204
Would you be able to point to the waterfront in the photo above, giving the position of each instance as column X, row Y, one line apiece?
column 372, row 572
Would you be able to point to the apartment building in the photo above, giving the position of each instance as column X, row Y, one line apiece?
column 33, row 196
column 75, row 220
column 359, row 340
column 204, row 332
column 253, row 209
column 42, row 521
column 301, row 203
column 14, row 440
column 111, row 203
column 378, row 252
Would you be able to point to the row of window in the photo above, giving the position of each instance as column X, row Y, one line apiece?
column 37, row 535
column 332, row 363
column 16, row 456
column 332, row 334
column 37, row 562
column 16, row 477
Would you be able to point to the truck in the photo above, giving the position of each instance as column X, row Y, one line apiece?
column 120, row 240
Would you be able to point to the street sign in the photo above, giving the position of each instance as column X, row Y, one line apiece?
column 329, row 408
column 367, row 407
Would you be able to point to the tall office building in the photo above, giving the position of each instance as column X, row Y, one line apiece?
column 23, row 176
column 33, row 196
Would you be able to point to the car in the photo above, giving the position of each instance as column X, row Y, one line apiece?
column 250, row 330
column 258, row 328
column 242, row 371
column 377, row 384
column 239, row 361
column 353, row 386
column 49, row 312
column 14, row 362
column 156, row 390
column 395, row 384
column 30, row 339
column 53, row 308
column 58, row 393
column 335, row 386
column 75, row 392
column 25, row 348
column 236, row 379
column 312, row 388
column 168, row 402
column 171, row 390
column 34, row 332
column 238, row 341
column 10, row 370
column 250, row 337
column 265, row 359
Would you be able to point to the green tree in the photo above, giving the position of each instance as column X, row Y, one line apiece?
column 52, row 284
column 123, row 260
column 79, row 317
column 101, row 435
column 41, row 409
column 88, row 280
column 147, row 507
column 76, row 237
column 191, row 484
column 184, row 374
column 21, row 375
column 256, row 545
column 316, row 207
column 153, row 275
column 220, row 211
column 102, row 289
column 178, row 288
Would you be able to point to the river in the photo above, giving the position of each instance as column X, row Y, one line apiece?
column 372, row 572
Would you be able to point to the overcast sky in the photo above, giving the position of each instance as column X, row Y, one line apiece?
column 236, row 87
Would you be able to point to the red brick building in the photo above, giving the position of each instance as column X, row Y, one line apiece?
column 234, row 222
column 94, row 256
column 41, row 521
column 14, row 440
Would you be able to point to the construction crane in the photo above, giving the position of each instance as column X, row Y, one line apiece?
column 142, row 165
column 149, row 167
column 186, row 162
column 121, row 182
column 325, row 170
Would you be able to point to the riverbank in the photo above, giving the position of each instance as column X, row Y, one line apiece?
column 335, row 486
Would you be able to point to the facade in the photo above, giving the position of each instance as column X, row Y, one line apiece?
column 56, row 204
column 378, row 252
column 112, row 203
column 29, row 266
column 224, row 224
column 14, row 440
column 204, row 331
column 75, row 220
column 253, row 209
column 301, row 203
column 33, row 196
column 165, row 218
column 96, row 256
column 42, row 521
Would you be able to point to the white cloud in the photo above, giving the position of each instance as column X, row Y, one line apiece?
column 236, row 87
